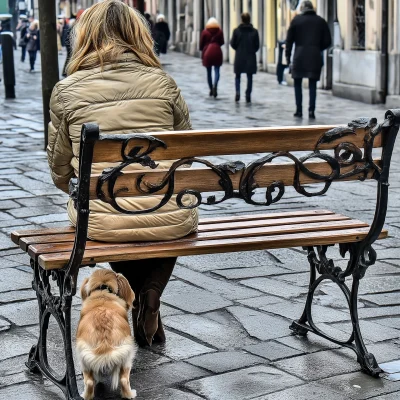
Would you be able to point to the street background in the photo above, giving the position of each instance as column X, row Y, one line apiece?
column 227, row 316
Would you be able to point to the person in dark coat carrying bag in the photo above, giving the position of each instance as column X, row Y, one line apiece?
column 246, row 42
column 311, row 35
column 212, row 38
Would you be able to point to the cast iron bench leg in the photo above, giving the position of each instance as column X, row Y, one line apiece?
column 328, row 271
column 59, row 307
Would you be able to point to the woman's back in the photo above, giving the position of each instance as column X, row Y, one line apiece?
column 122, row 96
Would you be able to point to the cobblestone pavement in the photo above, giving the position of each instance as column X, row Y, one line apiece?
column 227, row 316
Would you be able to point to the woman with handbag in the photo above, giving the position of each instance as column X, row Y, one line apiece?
column 212, row 38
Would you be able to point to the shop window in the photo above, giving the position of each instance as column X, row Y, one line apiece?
column 358, row 25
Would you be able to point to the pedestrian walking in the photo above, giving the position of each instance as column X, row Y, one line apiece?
column 211, row 40
column 246, row 42
column 33, row 43
column 68, row 44
column 311, row 36
column 115, row 79
column 23, row 28
column 149, row 21
column 281, row 65
column 161, row 35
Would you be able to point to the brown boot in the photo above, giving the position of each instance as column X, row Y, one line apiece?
column 148, row 318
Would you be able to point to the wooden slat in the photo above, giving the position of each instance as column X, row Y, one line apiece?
column 61, row 236
column 17, row 235
column 25, row 242
column 230, row 141
column 36, row 250
column 205, row 180
column 256, row 216
column 175, row 249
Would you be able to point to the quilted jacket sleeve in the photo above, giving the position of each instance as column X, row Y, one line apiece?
column 180, row 109
column 59, row 150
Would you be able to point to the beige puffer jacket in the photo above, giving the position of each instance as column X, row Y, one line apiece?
column 125, row 97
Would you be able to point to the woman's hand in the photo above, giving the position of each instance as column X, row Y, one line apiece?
column 28, row 35
column 34, row 37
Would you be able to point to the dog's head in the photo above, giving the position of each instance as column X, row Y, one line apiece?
column 105, row 279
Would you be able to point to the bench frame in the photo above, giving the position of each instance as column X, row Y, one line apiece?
column 362, row 254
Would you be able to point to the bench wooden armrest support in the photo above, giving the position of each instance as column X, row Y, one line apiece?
column 334, row 154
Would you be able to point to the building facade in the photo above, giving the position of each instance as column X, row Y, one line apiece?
column 362, row 64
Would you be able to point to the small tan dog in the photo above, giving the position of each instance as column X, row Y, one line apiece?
column 104, row 341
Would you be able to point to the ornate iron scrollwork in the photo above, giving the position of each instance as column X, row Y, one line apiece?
column 345, row 155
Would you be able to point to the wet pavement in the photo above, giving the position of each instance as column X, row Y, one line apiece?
column 226, row 315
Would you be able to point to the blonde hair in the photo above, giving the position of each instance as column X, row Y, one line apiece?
column 107, row 30
column 34, row 25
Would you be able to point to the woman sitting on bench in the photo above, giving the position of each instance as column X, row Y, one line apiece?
column 116, row 80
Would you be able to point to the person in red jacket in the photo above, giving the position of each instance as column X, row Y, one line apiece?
column 212, row 38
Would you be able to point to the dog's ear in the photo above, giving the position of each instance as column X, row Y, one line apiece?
column 124, row 290
column 85, row 289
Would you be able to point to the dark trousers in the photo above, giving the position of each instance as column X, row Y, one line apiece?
column 216, row 76
column 298, row 91
column 147, row 274
column 249, row 84
column 23, row 53
column 280, row 69
column 32, row 58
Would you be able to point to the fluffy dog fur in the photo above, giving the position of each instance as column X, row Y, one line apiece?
column 104, row 341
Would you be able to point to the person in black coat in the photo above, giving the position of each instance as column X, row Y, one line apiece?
column 246, row 42
column 161, row 35
column 311, row 35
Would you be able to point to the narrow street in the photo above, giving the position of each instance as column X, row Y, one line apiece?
column 227, row 316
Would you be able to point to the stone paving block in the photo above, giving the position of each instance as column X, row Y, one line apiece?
column 216, row 334
column 22, row 313
column 260, row 301
column 5, row 216
column 178, row 347
column 245, row 384
column 166, row 375
column 24, row 212
column 371, row 312
column 15, row 194
column 191, row 299
column 4, row 325
column 388, row 396
column 4, row 263
column 211, row 262
column 13, row 223
column 307, row 344
column 391, row 322
column 310, row 391
column 260, row 325
column 227, row 290
column 35, row 202
column 252, row 272
column 17, row 295
column 8, row 204
column 31, row 391
column 15, row 343
column 382, row 299
column 272, row 350
column 146, row 359
column 12, row 366
column 225, row 361
column 166, row 311
column 372, row 331
column 49, row 218
column 5, row 242
column 277, row 288
column 13, row 279
column 360, row 386
column 18, row 378
column 294, row 310
column 165, row 394
column 314, row 366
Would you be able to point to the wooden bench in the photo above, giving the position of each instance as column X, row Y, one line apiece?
column 344, row 153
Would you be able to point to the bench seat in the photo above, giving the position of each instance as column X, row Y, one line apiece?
column 52, row 247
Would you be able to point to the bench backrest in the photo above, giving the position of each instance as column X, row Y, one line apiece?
column 333, row 154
